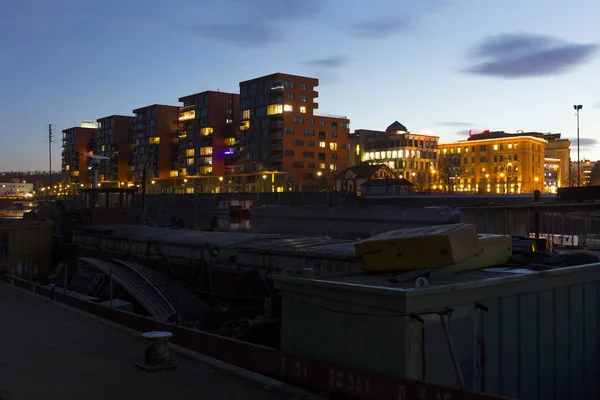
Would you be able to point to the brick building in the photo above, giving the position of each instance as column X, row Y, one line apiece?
column 77, row 140
column 208, row 122
column 283, row 143
column 115, row 140
column 156, row 144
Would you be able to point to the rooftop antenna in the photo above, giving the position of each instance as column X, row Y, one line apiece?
column 50, row 132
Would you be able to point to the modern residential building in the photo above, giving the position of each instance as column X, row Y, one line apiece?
column 283, row 140
column 411, row 156
column 208, row 122
column 156, row 144
column 503, row 165
column 115, row 140
column 75, row 141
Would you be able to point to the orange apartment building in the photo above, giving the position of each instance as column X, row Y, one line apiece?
column 77, row 140
column 115, row 141
column 283, row 143
column 156, row 144
column 208, row 122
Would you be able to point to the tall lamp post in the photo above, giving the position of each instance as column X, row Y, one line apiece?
column 577, row 108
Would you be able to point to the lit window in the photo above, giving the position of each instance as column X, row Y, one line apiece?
column 388, row 154
column 187, row 115
column 395, row 154
column 495, row 147
column 458, row 150
column 391, row 164
column 229, row 141
column 358, row 149
column 445, row 151
column 332, row 167
column 303, row 110
column 206, row 131
column 190, row 161
column 206, row 151
column 174, row 173
column 245, row 125
column 321, row 144
column 275, row 109
column 154, row 140
column 377, row 155
column 289, row 108
column 419, row 153
column 246, row 114
column 510, row 146
column 322, row 165
column 400, row 153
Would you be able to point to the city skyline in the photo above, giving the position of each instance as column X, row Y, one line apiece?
column 438, row 69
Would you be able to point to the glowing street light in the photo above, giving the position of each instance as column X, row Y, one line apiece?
column 319, row 173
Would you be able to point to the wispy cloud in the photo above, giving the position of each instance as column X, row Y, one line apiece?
column 527, row 55
column 332, row 62
column 462, row 133
column 455, row 123
column 588, row 142
column 379, row 29
column 267, row 18
column 247, row 35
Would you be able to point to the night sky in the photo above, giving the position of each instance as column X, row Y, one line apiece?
column 440, row 67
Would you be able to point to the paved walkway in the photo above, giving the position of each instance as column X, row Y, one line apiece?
column 48, row 351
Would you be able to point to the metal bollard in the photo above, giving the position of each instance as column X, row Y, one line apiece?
column 156, row 355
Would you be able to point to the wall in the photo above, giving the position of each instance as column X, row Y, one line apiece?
column 29, row 248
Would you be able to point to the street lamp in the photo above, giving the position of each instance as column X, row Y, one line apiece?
column 319, row 173
column 577, row 108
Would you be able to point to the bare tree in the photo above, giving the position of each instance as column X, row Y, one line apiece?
column 450, row 171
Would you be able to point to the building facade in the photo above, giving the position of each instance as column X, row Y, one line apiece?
column 410, row 156
column 16, row 188
column 115, row 141
column 351, row 179
column 502, row 165
column 75, row 141
column 208, row 123
column 283, row 140
column 552, row 174
column 156, row 144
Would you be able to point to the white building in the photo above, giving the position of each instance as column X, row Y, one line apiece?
column 17, row 189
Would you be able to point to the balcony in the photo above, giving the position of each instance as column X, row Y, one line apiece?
column 277, row 87
column 187, row 108
column 277, row 146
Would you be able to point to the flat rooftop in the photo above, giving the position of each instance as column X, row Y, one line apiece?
column 49, row 351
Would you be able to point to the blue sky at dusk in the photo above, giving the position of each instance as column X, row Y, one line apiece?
column 440, row 67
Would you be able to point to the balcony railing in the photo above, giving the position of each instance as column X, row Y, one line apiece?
column 318, row 114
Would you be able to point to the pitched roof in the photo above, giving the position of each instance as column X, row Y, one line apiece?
column 385, row 182
column 396, row 126
column 362, row 171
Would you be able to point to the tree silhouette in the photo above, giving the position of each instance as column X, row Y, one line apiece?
column 449, row 171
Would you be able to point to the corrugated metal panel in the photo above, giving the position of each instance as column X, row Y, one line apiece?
column 543, row 345
column 159, row 296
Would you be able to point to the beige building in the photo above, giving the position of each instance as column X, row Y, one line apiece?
column 409, row 155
